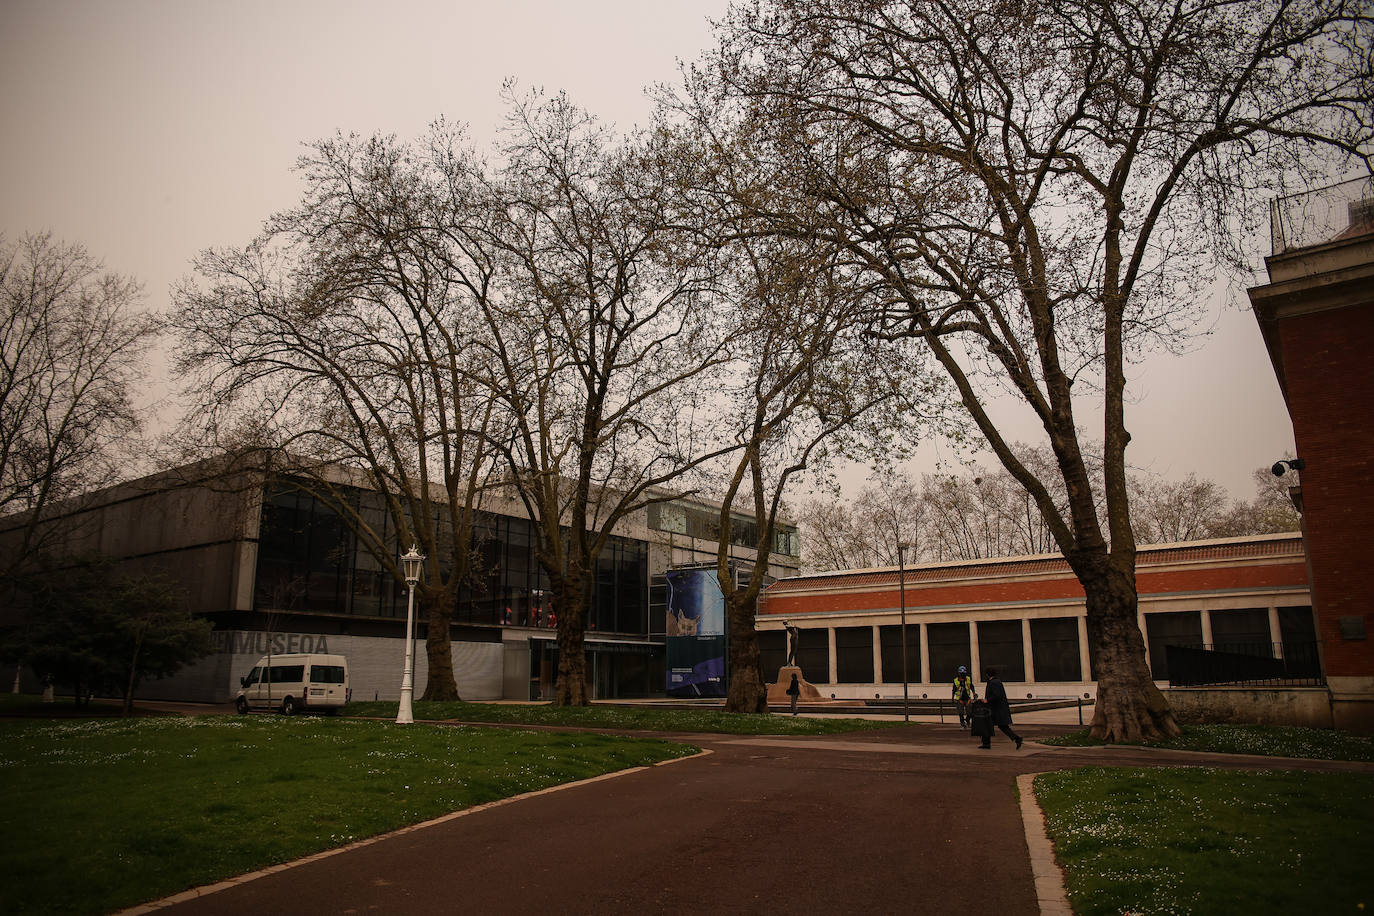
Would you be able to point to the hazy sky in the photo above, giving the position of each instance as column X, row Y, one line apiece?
column 148, row 130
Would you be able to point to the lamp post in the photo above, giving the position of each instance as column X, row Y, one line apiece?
column 901, row 588
column 410, row 563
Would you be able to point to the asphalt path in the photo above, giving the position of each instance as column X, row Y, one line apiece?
column 914, row 819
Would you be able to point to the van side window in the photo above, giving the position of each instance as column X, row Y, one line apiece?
column 326, row 674
column 287, row 674
column 253, row 677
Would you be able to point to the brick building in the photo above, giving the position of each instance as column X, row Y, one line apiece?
column 1317, row 317
column 1026, row 617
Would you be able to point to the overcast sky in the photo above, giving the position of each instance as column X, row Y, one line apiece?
column 148, row 130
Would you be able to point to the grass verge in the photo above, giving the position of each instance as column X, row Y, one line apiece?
column 631, row 718
column 1264, row 740
column 104, row 814
column 1195, row 840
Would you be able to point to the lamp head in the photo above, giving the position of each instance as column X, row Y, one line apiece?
column 410, row 564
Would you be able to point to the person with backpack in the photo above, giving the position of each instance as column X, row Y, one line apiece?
column 964, row 693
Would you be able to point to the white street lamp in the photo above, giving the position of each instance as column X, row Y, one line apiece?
column 410, row 563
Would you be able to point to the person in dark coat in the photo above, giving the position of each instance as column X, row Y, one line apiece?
column 996, row 696
column 794, row 691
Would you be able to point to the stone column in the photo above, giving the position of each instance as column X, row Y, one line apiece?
column 1084, row 662
column 924, row 639
column 1275, row 631
column 1027, row 656
column 975, row 657
column 878, row 673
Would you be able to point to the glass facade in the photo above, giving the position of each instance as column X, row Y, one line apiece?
column 697, row 522
column 309, row 559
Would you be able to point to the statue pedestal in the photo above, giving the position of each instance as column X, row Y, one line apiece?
column 777, row 692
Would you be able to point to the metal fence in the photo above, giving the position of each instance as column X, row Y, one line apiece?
column 1325, row 215
column 1245, row 664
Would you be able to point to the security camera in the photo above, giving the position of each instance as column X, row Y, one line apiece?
column 1280, row 467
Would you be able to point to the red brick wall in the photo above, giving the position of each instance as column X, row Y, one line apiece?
column 782, row 601
column 1328, row 360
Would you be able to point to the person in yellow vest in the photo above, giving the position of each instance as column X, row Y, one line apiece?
column 964, row 693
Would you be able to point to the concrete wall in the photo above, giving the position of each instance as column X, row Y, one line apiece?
column 1301, row 706
column 374, row 666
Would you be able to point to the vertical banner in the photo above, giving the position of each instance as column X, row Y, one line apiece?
column 695, row 634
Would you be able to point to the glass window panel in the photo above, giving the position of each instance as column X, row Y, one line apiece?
column 890, row 640
column 813, row 654
column 1244, row 632
column 854, row 655
column 949, row 648
column 1054, row 649
column 1000, row 649
column 1174, row 628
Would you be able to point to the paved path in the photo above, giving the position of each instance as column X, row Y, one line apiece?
column 909, row 820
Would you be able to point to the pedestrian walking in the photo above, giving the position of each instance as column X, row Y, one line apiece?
column 964, row 693
column 1000, row 709
column 794, row 691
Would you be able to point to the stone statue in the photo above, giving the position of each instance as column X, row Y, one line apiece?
column 793, row 637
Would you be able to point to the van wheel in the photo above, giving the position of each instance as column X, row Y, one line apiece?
column 288, row 706
column 241, row 705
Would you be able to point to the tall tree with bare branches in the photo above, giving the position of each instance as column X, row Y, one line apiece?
column 345, row 338
column 72, row 347
column 1033, row 183
column 600, row 339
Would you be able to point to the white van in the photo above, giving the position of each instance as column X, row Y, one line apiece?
column 296, row 683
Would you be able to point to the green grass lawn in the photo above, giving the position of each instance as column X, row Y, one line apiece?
column 1195, row 840
column 102, row 814
column 630, row 718
column 1265, row 740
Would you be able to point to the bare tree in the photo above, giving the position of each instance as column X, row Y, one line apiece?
column 598, row 340
column 834, row 535
column 1166, row 512
column 344, row 338
column 1031, row 185
column 72, row 346
column 1270, row 511
column 806, row 386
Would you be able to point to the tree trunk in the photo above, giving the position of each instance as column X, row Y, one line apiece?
column 748, row 692
column 439, row 681
column 572, row 688
column 128, row 707
column 1129, row 705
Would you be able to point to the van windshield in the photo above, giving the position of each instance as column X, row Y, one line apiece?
column 326, row 674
